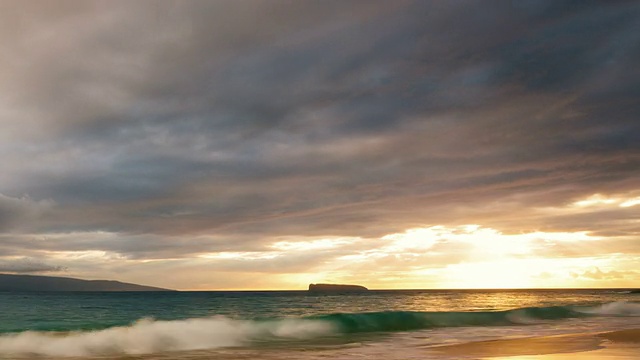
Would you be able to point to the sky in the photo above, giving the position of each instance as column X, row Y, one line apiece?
column 271, row 144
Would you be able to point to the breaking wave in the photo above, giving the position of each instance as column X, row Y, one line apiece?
column 151, row 336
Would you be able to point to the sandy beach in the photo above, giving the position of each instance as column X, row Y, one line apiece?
column 623, row 344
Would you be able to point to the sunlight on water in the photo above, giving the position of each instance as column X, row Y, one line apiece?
column 280, row 325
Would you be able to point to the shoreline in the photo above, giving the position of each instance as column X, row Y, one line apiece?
column 617, row 344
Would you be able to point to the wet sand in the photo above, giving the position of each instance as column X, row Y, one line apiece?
column 618, row 345
column 615, row 345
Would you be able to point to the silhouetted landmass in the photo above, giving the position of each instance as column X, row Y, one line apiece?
column 336, row 288
column 11, row 282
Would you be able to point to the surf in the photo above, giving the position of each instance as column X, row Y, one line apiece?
column 151, row 336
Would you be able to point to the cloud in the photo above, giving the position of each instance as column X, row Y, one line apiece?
column 27, row 265
column 596, row 274
column 20, row 212
column 185, row 128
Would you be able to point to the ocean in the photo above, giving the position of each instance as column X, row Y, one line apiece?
column 390, row 324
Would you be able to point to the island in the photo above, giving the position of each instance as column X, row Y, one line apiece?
column 37, row 283
column 336, row 288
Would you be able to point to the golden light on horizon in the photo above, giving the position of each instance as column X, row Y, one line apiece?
column 439, row 256
column 501, row 274
column 465, row 256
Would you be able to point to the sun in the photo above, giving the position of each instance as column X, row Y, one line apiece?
column 500, row 274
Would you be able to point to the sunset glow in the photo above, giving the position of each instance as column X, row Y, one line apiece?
column 213, row 145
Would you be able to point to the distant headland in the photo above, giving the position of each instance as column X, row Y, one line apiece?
column 336, row 288
column 11, row 282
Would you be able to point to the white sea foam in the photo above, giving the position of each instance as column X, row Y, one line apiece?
column 149, row 336
column 618, row 308
column 520, row 317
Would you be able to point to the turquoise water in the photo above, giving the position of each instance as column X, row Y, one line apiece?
column 294, row 324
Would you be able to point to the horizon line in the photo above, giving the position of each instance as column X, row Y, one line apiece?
column 426, row 289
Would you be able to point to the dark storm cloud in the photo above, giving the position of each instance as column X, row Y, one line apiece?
column 27, row 265
column 16, row 213
column 162, row 120
column 124, row 245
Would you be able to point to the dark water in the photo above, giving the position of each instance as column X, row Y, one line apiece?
column 282, row 323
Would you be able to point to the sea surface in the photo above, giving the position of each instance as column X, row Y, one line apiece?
column 398, row 324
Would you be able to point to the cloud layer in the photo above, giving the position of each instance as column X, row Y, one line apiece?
column 158, row 131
